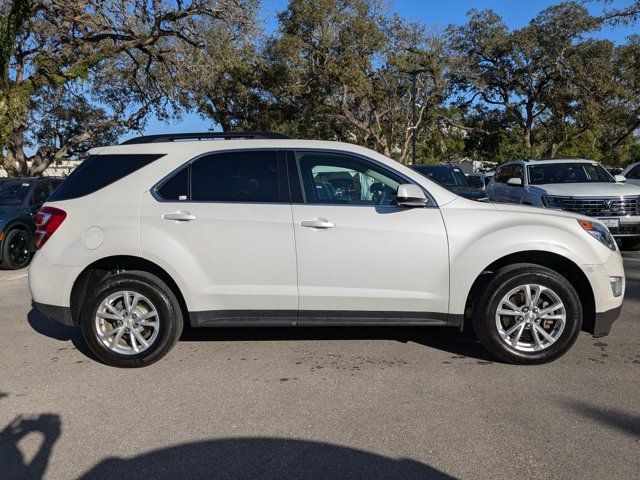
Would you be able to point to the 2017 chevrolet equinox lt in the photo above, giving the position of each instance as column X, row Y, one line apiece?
column 258, row 229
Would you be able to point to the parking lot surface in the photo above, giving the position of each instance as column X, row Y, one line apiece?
column 316, row 403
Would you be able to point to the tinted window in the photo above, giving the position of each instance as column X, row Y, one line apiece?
column 98, row 171
column 341, row 179
column 568, row 173
column 177, row 187
column 501, row 174
column 444, row 175
column 250, row 176
column 13, row 192
column 475, row 181
column 40, row 194
column 517, row 172
column 634, row 173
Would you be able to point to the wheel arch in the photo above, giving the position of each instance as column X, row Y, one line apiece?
column 563, row 265
column 97, row 271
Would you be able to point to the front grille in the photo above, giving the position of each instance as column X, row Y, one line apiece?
column 603, row 207
column 626, row 229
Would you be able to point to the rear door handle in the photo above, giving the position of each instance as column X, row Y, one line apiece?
column 179, row 216
column 321, row 223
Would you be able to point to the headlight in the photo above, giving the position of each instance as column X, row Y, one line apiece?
column 599, row 232
column 553, row 202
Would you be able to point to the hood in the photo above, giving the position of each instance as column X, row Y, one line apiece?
column 550, row 212
column 590, row 189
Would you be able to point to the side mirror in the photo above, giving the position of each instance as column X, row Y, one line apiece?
column 620, row 178
column 515, row 182
column 411, row 195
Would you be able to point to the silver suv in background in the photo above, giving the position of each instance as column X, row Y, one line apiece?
column 632, row 173
column 579, row 186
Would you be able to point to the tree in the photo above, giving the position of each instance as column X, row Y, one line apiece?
column 335, row 69
column 94, row 68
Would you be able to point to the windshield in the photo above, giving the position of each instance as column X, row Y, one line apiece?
column 13, row 192
column 444, row 175
column 568, row 173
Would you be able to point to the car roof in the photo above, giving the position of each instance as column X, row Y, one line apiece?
column 550, row 161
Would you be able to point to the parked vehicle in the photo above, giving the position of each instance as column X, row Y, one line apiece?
column 632, row 173
column 476, row 179
column 579, row 186
column 451, row 178
column 258, row 229
column 20, row 199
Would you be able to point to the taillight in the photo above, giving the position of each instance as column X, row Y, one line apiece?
column 47, row 220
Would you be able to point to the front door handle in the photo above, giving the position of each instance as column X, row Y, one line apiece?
column 179, row 216
column 322, row 223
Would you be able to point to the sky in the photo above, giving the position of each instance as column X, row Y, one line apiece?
column 437, row 13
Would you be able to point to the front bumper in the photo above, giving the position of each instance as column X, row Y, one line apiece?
column 628, row 226
column 603, row 321
column 59, row 314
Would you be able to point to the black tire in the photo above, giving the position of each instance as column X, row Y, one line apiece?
column 166, row 304
column 508, row 278
column 13, row 245
column 630, row 244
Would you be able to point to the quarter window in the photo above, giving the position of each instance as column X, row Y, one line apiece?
column 177, row 187
column 333, row 178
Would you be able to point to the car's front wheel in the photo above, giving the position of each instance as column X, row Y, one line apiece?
column 528, row 314
column 131, row 319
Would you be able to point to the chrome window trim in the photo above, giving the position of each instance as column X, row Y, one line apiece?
column 154, row 189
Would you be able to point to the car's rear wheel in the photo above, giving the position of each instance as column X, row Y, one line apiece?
column 630, row 244
column 16, row 250
column 528, row 314
column 131, row 319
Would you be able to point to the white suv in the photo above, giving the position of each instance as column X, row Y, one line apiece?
column 260, row 230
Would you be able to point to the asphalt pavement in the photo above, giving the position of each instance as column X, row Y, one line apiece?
column 366, row 403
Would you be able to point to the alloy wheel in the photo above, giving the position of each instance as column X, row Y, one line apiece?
column 530, row 318
column 127, row 322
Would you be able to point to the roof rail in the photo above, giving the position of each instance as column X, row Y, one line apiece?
column 173, row 137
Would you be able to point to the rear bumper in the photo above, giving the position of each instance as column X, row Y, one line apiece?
column 59, row 314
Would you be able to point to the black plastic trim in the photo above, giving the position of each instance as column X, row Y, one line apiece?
column 59, row 314
column 303, row 318
column 603, row 322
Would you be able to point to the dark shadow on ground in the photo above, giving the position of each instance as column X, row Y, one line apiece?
column 440, row 338
column 13, row 463
column 264, row 459
column 446, row 339
column 52, row 329
column 625, row 422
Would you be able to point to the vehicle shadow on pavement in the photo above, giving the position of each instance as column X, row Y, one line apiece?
column 623, row 421
column 57, row 331
column 13, row 462
column 262, row 458
column 440, row 338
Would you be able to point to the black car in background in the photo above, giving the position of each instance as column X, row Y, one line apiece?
column 451, row 178
column 20, row 199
